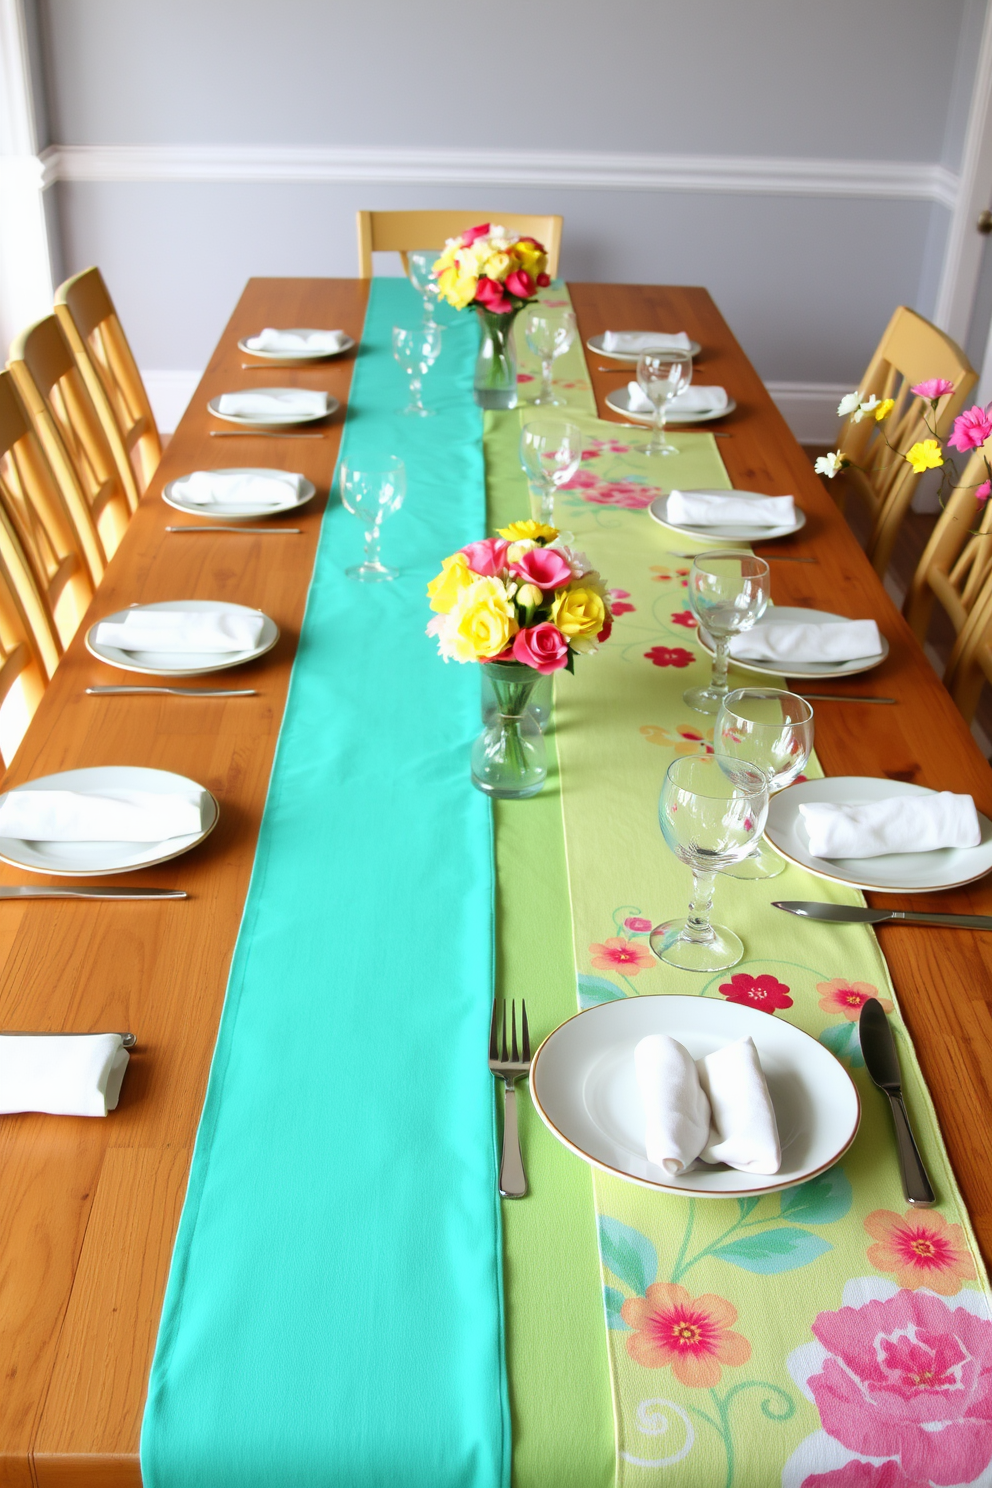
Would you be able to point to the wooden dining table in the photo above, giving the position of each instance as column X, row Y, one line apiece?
column 89, row 1208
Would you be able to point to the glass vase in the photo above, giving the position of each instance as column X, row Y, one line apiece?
column 509, row 758
column 496, row 365
column 540, row 702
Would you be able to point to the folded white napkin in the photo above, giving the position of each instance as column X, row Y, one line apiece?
column 280, row 403
column 697, row 399
column 63, row 1074
column 840, row 640
column 110, row 816
column 719, row 509
column 629, row 342
column 899, row 824
column 193, row 631
column 236, row 488
column 716, row 1109
column 272, row 340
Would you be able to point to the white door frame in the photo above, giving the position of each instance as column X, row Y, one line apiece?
column 963, row 255
column 25, row 259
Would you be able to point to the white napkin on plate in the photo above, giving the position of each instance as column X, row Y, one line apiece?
column 631, row 342
column 272, row 340
column 105, row 816
column 898, row 824
column 676, row 1112
column 280, row 403
column 743, row 1132
column 838, row 640
column 183, row 631
column 730, row 509
column 63, row 1074
column 696, row 399
column 239, row 488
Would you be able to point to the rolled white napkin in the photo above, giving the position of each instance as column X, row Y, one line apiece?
column 697, row 399
column 182, row 631
column 280, row 403
column 62, row 1074
column 898, row 824
column 840, row 640
column 631, row 342
column 236, row 488
column 676, row 1112
column 719, row 509
column 743, row 1131
column 273, row 340
column 110, row 816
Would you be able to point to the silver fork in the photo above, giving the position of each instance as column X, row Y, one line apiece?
column 510, row 1066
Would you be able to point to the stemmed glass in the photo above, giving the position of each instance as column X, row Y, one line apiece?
column 549, row 334
column 419, row 268
column 417, row 350
column 371, row 491
column 550, row 453
column 712, row 812
column 773, row 730
column 662, row 375
column 728, row 591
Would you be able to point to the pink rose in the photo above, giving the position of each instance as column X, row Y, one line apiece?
column 971, row 429
column 486, row 558
column 520, row 283
column 539, row 246
column 545, row 567
column 542, row 647
column 933, row 388
column 857, row 1474
column 489, row 293
column 983, row 491
column 606, row 632
column 468, row 238
column 639, row 926
column 543, row 280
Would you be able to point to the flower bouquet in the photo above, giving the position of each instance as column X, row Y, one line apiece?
column 498, row 273
column 525, row 603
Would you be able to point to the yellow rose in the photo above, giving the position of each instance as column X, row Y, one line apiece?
column 455, row 576
column 533, row 530
column 528, row 257
column 579, row 612
column 496, row 266
column 482, row 622
column 924, row 455
column 884, row 409
column 457, row 288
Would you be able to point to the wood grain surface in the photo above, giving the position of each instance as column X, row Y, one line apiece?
column 89, row 1208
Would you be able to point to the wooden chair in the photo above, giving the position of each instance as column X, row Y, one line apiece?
column 33, row 504
column 61, row 410
column 970, row 664
column 400, row 232
column 958, row 558
column 911, row 351
column 89, row 321
column 23, row 670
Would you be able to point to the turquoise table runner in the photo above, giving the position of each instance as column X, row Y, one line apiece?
column 333, row 1312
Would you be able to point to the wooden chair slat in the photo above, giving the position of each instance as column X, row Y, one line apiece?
column 401, row 232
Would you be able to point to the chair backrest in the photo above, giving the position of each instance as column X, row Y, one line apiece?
column 958, row 557
column 911, row 351
column 61, row 411
column 400, row 232
column 970, row 663
column 33, row 503
column 87, row 316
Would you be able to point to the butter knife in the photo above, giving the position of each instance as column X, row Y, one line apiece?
column 856, row 914
column 128, row 1040
column 208, row 692
column 882, row 1063
column 50, row 891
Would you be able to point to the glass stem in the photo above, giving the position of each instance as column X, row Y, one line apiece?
column 415, row 399
column 547, row 367
column 697, row 923
column 372, row 547
column 658, row 442
column 548, row 505
column 721, row 660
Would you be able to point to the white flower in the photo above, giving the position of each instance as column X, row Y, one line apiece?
column 848, row 404
column 829, row 465
column 577, row 561
column 866, row 408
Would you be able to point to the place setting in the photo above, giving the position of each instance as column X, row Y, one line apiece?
column 663, row 394
column 728, row 516
column 238, row 494
column 181, row 638
column 270, row 411
column 295, row 346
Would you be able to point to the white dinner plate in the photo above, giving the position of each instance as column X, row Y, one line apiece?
column 753, row 533
column 296, row 356
column 224, row 511
column 788, row 615
column 583, row 1084
column 618, row 400
column 595, row 343
column 892, row 873
column 272, row 421
column 181, row 663
column 87, row 859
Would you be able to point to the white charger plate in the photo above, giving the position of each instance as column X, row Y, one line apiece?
column 224, row 512
column 755, row 533
column 87, row 859
column 619, row 398
column 272, row 421
column 595, row 343
column 181, row 663
column 892, row 873
column 789, row 615
column 583, row 1084
column 296, row 356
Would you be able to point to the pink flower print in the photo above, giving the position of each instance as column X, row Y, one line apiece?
column 910, row 1378
column 618, row 449
column 582, row 480
column 933, row 388
column 663, row 575
column 665, row 656
column 857, row 1474
column 636, row 925
column 592, row 454
column 620, row 954
column 525, row 377
column 618, row 602
column 983, row 491
column 848, row 998
column 971, row 429
column 920, row 1249
column 686, row 618
column 762, row 992
column 624, row 493
column 556, row 304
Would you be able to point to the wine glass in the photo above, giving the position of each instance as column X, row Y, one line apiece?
column 662, row 375
column 417, row 350
column 549, row 334
column 371, row 490
column 712, row 812
column 728, row 591
column 773, row 730
column 420, row 271
column 550, row 453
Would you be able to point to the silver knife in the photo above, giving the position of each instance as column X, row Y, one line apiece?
column 35, row 891
column 855, row 914
column 882, row 1063
column 173, row 691
column 128, row 1040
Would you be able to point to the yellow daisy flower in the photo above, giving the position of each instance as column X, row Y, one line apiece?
column 924, row 455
